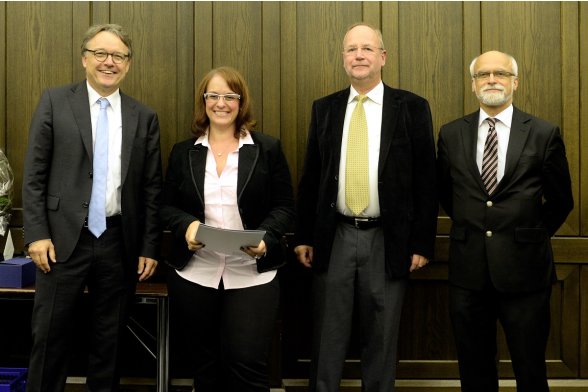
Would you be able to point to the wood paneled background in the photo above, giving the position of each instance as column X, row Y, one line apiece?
column 289, row 52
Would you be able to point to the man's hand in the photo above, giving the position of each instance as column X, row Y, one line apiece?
column 42, row 252
column 146, row 268
column 418, row 262
column 304, row 254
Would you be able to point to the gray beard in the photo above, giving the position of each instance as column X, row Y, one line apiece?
column 493, row 99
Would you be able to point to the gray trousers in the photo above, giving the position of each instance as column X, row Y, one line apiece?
column 356, row 277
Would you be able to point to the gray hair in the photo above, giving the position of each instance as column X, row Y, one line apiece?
column 513, row 65
column 110, row 28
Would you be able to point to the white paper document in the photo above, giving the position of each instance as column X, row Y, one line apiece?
column 228, row 241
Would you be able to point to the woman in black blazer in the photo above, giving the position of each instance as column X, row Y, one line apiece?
column 231, row 177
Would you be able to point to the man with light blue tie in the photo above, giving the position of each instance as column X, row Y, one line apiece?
column 91, row 187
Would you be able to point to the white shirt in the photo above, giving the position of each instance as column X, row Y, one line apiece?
column 373, row 113
column 206, row 267
column 503, row 125
column 113, row 181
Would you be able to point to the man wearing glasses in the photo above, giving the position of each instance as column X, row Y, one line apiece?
column 503, row 179
column 91, row 187
column 367, row 212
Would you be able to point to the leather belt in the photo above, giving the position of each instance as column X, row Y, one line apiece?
column 111, row 221
column 360, row 222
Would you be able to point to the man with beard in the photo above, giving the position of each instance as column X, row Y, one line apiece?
column 503, row 179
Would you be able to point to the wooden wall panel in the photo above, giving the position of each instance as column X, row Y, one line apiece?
column 582, row 200
column 38, row 56
column 320, row 27
column 270, row 87
column 570, row 122
column 290, row 54
column 292, row 130
column 430, row 55
column 152, row 76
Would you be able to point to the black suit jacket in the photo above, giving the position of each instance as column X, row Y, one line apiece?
column 505, row 236
column 57, row 181
column 406, row 179
column 264, row 195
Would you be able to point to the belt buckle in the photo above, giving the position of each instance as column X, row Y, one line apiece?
column 358, row 221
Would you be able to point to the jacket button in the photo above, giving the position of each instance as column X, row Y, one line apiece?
column 488, row 234
column 332, row 205
column 489, row 203
column 85, row 204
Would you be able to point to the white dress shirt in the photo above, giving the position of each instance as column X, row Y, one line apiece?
column 206, row 267
column 373, row 113
column 113, row 180
column 503, row 125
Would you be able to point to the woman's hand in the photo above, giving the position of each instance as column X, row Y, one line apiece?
column 193, row 243
column 255, row 251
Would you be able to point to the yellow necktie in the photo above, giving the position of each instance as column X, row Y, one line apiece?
column 356, row 169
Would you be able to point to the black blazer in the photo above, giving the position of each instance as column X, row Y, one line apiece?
column 505, row 236
column 264, row 195
column 57, row 180
column 406, row 179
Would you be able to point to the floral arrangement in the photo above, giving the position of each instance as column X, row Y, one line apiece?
column 6, row 181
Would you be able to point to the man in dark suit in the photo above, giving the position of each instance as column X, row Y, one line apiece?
column 71, row 249
column 362, row 253
column 504, row 181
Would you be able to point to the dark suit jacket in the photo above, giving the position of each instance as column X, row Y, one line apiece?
column 406, row 179
column 531, row 202
column 264, row 195
column 57, row 179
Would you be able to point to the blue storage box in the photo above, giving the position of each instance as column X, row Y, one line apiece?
column 13, row 379
column 17, row 272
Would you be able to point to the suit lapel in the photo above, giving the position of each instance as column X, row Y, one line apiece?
column 130, row 119
column 390, row 115
column 197, row 160
column 469, row 136
column 519, row 132
column 334, row 123
column 78, row 100
column 248, row 155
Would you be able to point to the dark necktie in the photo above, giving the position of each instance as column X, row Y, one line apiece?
column 97, row 212
column 490, row 158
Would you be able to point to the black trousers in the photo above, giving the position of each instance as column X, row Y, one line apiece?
column 225, row 334
column 356, row 278
column 525, row 318
column 99, row 264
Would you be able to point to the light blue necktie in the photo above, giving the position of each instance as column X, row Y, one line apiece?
column 97, row 213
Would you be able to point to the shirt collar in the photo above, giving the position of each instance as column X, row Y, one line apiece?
column 247, row 139
column 113, row 99
column 376, row 94
column 504, row 117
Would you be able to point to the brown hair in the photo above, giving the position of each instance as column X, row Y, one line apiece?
column 236, row 83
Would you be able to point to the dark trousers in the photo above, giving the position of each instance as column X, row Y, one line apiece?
column 225, row 334
column 356, row 277
column 525, row 318
column 99, row 264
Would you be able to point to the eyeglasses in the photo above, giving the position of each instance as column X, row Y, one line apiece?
column 102, row 55
column 352, row 50
column 500, row 75
column 214, row 97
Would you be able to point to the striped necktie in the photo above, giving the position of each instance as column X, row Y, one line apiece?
column 490, row 158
